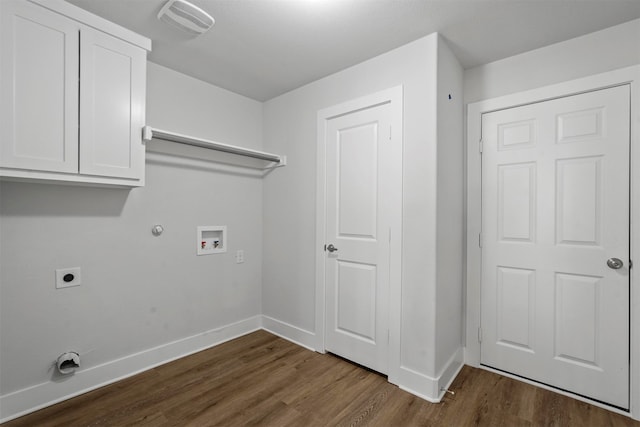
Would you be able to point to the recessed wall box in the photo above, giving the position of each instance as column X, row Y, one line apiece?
column 212, row 239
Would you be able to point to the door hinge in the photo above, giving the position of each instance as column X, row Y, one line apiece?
column 480, row 146
column 480, row 240
column 479, row 334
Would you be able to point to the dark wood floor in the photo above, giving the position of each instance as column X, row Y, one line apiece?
column 261, row 379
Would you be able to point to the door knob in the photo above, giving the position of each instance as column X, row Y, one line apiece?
column 615, row 263
column 331, row 248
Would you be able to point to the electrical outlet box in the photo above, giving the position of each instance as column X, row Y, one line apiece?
column 211, row 239
column 68, row 277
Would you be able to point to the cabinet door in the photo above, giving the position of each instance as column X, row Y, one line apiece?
column 38, row 89
column 112, row 97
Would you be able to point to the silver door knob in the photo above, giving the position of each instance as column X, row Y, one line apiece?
column 615, row 263
column 331, row 248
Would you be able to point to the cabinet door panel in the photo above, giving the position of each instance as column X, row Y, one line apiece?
column 112, row 96
column 39, row 89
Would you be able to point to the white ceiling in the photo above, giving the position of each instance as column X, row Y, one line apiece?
column 263, row 48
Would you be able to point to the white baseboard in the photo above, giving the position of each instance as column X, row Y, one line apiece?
column 289, row 332
column 21, row 402
column 429, row 388
column 451, row 371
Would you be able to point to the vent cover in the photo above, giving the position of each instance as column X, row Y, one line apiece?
column 186, row 16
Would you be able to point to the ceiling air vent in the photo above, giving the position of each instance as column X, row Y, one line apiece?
column 186, row 16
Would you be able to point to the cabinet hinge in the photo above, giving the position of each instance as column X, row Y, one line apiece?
column 480, row 240
column 480, row 146
column 479, row 334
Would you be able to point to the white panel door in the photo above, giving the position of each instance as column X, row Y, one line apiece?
column 360, row 162
column 555, row 208
column 111, row 106
column 38, row 89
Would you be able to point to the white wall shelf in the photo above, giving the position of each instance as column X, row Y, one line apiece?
column 149, row 133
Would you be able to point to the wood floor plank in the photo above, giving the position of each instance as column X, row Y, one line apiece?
column 263, row 380
column 363, row 411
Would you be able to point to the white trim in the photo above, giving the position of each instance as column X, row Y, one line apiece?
column 474, row 116
column 30, row 399
column 32, row 176
column 94, row 21
column 425, row 386
column 33, row 398
column 289, row 332
column 321, row 202
column 634, row 332
column 395, row 97
column 395, row 246
column 418, row 384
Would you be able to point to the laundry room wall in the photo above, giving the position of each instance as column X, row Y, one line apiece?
column 142, row 299
column 597, row 52
column 290, row 246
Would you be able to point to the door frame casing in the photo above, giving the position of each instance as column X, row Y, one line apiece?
column 628, row 75
column 394, row 97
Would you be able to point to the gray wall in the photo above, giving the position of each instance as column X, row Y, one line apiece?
column 450, row 208
column 289, row 281
column 138, row 291
column 598, row 52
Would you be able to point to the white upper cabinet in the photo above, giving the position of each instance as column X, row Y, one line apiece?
column 39, row 89
column 112, row 95
column 72, row 98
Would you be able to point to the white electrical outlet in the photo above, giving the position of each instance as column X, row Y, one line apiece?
column 67, row 277
column 239, row 256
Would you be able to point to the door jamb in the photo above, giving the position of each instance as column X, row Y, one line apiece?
column 394, row 96
column 630, row 75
